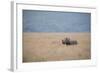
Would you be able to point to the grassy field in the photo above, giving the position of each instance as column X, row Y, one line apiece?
column 39, row 47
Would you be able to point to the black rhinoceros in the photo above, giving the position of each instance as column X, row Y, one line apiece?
column 67, row 41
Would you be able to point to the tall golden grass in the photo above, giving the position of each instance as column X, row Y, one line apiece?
column 48, row 47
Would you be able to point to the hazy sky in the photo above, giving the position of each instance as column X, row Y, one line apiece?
column 52, row 21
